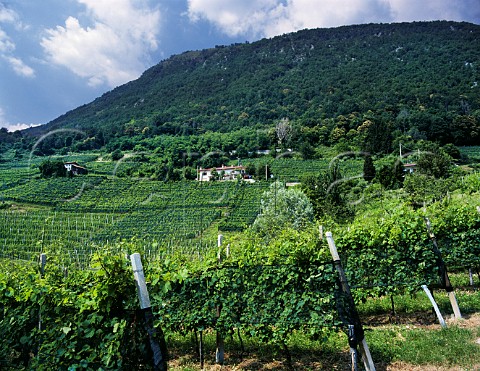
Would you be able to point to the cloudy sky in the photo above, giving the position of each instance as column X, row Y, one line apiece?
column 58, row 54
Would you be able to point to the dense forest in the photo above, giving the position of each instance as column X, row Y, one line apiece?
column 367, row 87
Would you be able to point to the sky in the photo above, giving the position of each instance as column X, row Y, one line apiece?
column 56, row 55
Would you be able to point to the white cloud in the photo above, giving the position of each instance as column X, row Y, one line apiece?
column 12, row 127
column 20, row 67
column 7, row 46
column 112, row 51
column 300, row 14
column 10, row 16
column 237, row 17
column 273, row 17
column 7, row 15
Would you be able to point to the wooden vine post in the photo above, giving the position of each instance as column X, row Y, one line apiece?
column 355, row 329
column 158, row 346
column 220, row 351
column 443, row 274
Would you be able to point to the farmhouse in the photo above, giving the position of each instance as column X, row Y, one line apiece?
column 75, row 169
column 220, row 173
column 409, row 168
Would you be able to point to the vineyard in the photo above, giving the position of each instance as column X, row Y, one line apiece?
column 348, row 240
column 471, row 152
column 123, row 208
column 90, row 318
column 89, row 211
column 289, row 169
column 81, row 309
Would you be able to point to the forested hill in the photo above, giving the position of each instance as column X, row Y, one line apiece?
column 419, row 78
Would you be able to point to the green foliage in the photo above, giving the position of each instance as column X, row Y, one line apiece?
column 470, row 154
column 267, row 290
column 283, row 208
column 420, row 76
column 251, row 169
column 452, row 150
column 268, row 293
column 307, row 151
column 391, row 175
column 387, row 255
column 434, row 162
column 456, row 224
column 422, row 189
column 470, row 183
column 369, row 171
column 214, row 175
column 84, row 210
column 53, row 168
column 117, row 155
column 390, row 251
column 326, row 195
column 375, row 136
column 246, row 207
column 88, row 318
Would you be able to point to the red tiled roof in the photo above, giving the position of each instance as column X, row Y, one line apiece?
column 224, row 168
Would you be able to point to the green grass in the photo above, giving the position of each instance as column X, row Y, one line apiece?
column 441, row 347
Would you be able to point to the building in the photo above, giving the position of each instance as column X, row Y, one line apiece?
column 221, row 173
column 75, row 169
column 409, row 168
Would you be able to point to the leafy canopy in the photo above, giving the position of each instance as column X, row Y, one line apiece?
column 282, row 208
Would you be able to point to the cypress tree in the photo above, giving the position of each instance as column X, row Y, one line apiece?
column 368, row 169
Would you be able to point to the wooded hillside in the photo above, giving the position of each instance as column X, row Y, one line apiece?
column 361, row 84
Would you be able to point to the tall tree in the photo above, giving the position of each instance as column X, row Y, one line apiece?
column 283, row 208
column 436, row 163
column 325, row 193
column 283, row 129
column 369, row 171
column 52, row 169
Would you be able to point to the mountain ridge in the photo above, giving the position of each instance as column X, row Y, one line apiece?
column 419, row 68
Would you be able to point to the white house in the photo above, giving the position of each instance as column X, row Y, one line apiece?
column 409, row 168
column 75, row 168
column 223, row 173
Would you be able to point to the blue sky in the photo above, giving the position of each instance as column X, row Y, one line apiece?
column 58, row 54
